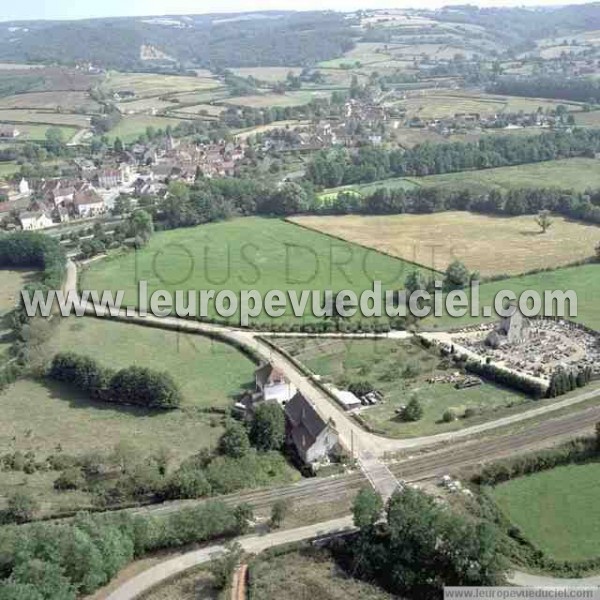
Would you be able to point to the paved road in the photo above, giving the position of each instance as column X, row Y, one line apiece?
column 255, row 544
column 351, row 434
column 529, row 580
column 252, row 544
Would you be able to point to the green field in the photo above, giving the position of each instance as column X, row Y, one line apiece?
column 311, row 574
column 146, row 85
column 210, row 373
column 9, row 168
column 130, row 127
column 287, row 99
column 584, row 280
column 245, row 254
column 574, row 173
column 44, row 118
column 557, row 510
column 399, row 370
column 45, row 418
column 268, row 74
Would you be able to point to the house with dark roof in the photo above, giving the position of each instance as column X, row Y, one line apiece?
column 313, row 438
column 272, row 384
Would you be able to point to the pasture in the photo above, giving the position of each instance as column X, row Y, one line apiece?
column 557, row 510
column 51, row 101
column 588, row 119
column 200, row 110
column 37, row 133
column 576, row 174
column 267, row 74
column 584, row 280
column 265, row 100
column 11, row 284
column 202, row 97
column 145, row 105
column 47, row 118
column 130, row 127
column 209, row 373
column 399, row 370
column 444, row 104
column 146, row 85
column 246, row 253
column 7, row 169
column 48, row 417
column 488, row 244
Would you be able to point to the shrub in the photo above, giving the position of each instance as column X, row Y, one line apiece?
column 413, row 410
column 71, row 479
column 234, row 442
column 267, row 430
column 21, row 508
column 145, row 387
column 448, row 416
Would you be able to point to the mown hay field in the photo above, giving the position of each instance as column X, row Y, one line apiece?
column 488, row 244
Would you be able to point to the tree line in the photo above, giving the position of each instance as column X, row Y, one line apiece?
column 424, row 200
column 62, row 561
column 132, row 385
column 561, row 88
column 332, row 168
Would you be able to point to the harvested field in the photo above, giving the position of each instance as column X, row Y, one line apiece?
column 490, row 245
column 146, row 85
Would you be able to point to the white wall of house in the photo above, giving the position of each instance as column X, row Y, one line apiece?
column 323, row 446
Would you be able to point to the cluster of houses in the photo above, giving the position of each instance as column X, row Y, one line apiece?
column 360, row 123
column 471, row 121
column 92, row 187
column 312, row 436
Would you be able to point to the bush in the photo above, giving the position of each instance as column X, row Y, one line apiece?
column 361, row 388
column 448, row 416
column 267, row 430
column 413, row 411
column 234, row 442
column 71, row 479
column 21, row 508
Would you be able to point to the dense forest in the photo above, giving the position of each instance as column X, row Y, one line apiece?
column 269, row 39
column 568, row 88
column 339, row 167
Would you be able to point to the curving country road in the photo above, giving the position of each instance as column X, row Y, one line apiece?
column 464, row 452
column 352, row 435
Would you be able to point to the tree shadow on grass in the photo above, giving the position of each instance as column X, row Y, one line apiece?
column 78, row 399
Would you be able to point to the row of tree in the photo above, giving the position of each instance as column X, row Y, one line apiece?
column 576, row 89
column 332, row 168
column 575, row 451
column 424, row 200
column 132, row 385
column 61, row 561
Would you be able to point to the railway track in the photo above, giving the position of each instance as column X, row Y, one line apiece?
column 429, row 465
